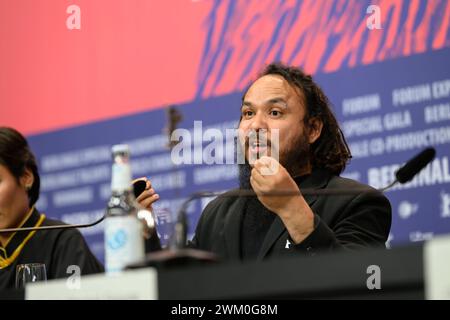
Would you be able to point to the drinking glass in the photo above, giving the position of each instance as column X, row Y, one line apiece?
column 30, row 272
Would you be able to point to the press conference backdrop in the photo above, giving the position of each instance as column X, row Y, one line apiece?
column 76, row 87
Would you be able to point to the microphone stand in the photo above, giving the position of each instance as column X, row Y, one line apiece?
column 59, row 226
column 138, row 187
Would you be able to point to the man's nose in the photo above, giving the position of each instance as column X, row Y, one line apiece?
column 259, row 122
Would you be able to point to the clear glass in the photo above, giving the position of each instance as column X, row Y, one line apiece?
column 30, row 272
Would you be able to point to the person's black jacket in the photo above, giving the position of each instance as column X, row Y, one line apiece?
column 351, row 221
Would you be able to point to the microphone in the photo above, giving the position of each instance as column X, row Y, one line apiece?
column 138, row 188
column 416, row 164
column 58, row 226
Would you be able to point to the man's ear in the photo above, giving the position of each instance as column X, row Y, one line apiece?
column 315, row 129
column 27, row 179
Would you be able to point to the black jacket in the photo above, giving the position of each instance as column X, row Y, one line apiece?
column 351, row 221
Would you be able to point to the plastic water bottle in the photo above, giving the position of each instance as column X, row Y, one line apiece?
column 124, row 240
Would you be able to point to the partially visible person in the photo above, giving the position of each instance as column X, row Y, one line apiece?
column 19, row 190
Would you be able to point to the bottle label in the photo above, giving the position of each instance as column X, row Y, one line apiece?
column 124, row 243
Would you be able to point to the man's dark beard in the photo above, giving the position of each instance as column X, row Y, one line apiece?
column 297, row 158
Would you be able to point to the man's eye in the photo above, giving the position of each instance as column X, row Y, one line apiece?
column 275, row 113
column 247, row 113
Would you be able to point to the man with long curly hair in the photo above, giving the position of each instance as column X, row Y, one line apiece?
column 312, row 154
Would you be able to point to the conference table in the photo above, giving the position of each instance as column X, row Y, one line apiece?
column 418, row 271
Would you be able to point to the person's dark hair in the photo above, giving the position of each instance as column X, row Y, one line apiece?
column 330, row 151
column 16, row 156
